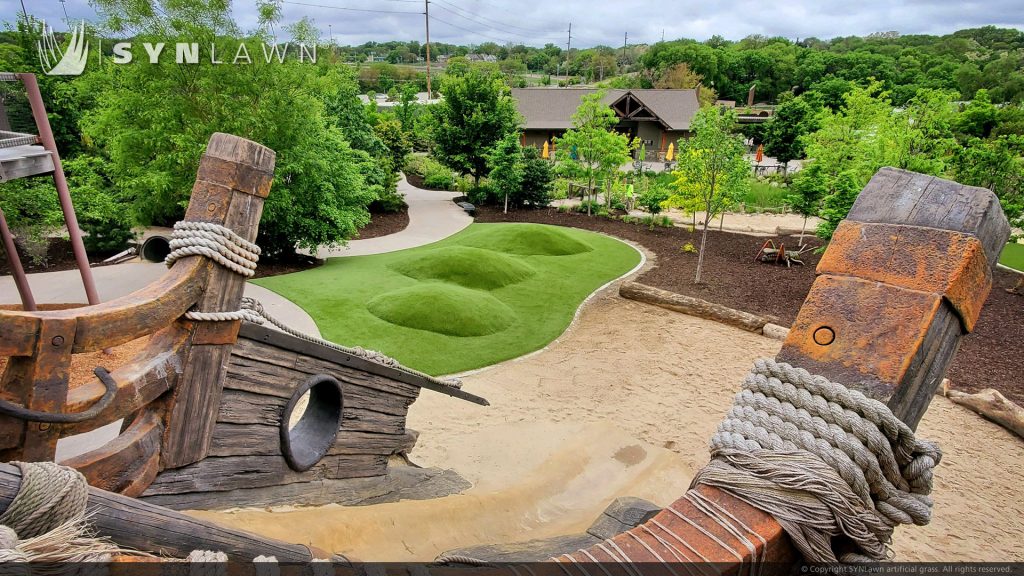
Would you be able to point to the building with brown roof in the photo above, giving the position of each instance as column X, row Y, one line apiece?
column 657, row 117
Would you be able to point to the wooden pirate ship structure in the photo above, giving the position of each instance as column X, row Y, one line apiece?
column 210, row 406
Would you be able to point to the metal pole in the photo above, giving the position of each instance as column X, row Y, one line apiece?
column 46, row 136
column 426, row 19
column 20, row 280
column 568, row 57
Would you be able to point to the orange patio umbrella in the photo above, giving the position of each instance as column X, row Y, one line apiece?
column 544, row 152
column 671, row 154
column 760, row 154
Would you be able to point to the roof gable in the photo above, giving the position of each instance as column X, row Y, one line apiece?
column 552, row 108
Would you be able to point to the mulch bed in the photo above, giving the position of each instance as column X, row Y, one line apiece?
column 58, row 257
column 385, row 223
column 417, row 181
column 991, row 357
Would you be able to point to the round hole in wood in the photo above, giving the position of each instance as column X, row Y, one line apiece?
column 311, row 421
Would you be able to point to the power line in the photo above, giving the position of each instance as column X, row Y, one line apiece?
column 350, row 9
column 502, row 40
column 503, row 24
column 488, row 26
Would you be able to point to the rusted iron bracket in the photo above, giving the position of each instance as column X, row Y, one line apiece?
column 943, row 262
column 23, row 413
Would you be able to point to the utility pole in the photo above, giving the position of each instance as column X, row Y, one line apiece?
column 63, row 4
column 330, row 31
column 24, row 12
column 662, row 34
column 426, row 18
column 625, row 41
column 568, row 56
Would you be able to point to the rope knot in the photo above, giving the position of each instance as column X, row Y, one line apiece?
column 804, row 449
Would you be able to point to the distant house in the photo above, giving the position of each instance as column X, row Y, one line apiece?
column 657, row 117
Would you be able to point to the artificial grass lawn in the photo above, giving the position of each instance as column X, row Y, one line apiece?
column 487, row 294
column 1013, row 256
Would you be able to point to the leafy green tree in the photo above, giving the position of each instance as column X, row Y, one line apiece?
column 711, row 170
column 505, row 163
column 389, row 130
column 152, row 123
column 591, row 149
column 784, row 133
column 476, row 112
column 978, row 118
column 653, row 198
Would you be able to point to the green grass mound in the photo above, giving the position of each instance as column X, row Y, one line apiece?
column 1013, row 256
column 465, row 266
column 444, row 309
column 526, row 240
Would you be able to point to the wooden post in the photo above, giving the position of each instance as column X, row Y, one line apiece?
column 234, row 178
column 903, row 280
column 142, row 526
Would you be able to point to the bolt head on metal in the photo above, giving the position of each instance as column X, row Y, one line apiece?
column 211, row 207
column 57, row 341
column 824, row 336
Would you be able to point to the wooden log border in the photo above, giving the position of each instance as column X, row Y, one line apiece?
column 694, row 307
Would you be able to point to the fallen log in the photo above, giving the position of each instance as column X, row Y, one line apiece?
column 139, row 525
column 693, row 306
column 994, row 406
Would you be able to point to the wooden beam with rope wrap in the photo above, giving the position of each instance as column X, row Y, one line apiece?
column 902, row 282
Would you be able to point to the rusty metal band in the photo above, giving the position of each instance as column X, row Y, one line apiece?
column 942, row 262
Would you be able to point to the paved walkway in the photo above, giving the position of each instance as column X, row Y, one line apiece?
column 754, row 224
column 432, row 217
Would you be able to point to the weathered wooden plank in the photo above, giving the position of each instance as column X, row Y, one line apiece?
column 265, row 440
column 314, row 350
column 234, row 178
column 400, row 483
column 143, row 526
column 127, row 464
column 216, row 474
column 251, row 353
column 243, row 407
column 895, row 196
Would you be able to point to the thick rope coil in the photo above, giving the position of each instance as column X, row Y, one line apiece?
column 824, row 460
column 459, row 559
column 46, row 521
column 255, row 307
column 215, row 242
column 49, row 496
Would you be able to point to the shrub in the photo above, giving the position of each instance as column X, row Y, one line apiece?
column 482, row 194
column 437, row 175
column 537, row 180
column 688, row 248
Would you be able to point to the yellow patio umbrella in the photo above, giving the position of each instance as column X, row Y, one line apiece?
column 544, row 152
column 671, row 154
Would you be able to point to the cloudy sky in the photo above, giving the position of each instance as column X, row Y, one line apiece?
column 599, row 21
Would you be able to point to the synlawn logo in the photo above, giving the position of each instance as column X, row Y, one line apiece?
column 71, row 62
column 57, row 62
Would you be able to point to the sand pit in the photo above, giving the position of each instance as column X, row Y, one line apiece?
column 629, row 384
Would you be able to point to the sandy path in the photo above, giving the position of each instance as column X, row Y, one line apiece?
column 555, row 446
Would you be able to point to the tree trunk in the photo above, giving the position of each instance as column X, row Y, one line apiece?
column 802, row 230
column 700, row 254
column 506, row 203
